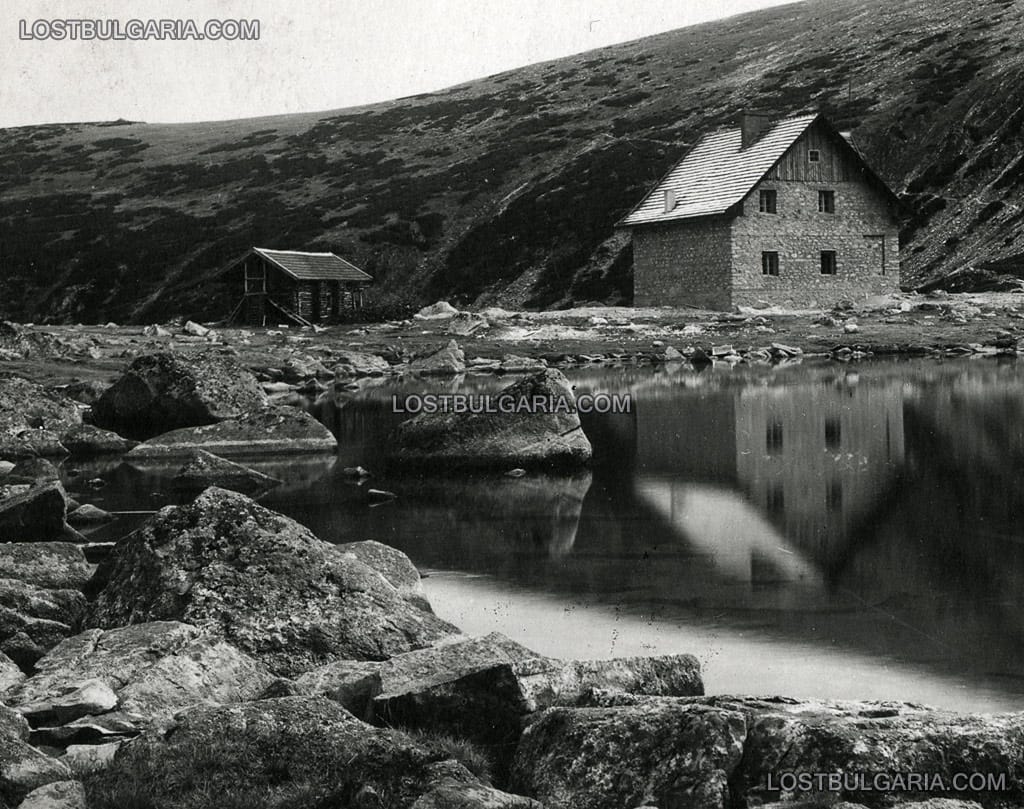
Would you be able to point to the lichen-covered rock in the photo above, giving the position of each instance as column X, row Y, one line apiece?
column 56, row 795
column 34, row 471
column 359, row 363
column 530, row 424
column 263, row 582
column 295, row 748
column 392, row 564
column 274, row 430
column 34, row 619
column 10, row 674
column 55, row 565
column 447, row 361
column 38, row 513
column 88, row 514
column 673, row 753
column 32, row 418
column 204, row 469
column 24, row 768
column 165, row 391
column 146, row 670
column 88, row 439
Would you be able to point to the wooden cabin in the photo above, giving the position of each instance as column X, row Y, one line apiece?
column 275, row 286
column 782, row 212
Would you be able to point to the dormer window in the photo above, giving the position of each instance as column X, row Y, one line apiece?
column 813, row 156
column 767, row 200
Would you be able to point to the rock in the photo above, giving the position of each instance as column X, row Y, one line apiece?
column 10, row 675
column 56, row 565
column 87, row 439
column 722, row 351
column 436, row 311
column 512, row 363
column 39, row 513
column 449, row 360
column 273, row 430
column 464, row 324
column 304, row 366
column 298, row 746
column 23, row 768
column 390, row 562
column 83, row 758
column 263, row 582
column 518, row 472
column 355, row 473
column 673, row 355
column 204, row 469
column 195, row 329
column 32, row 418
column 56, row 795
column 13, row 724
column 88, row 514
column 528, row 437
column 851, row 328
column 156, row 330
column 146, row 670
column 677, row 754
column 358, row 363
column 782, row 350
column 161, row 392
column 34, row 619
column 86, row 392
column 34, row 471
column 5, row 467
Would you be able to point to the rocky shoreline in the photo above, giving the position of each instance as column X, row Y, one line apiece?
column 223, row 655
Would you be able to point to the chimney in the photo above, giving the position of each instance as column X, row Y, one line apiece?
column 753, row 124
column 670, row 199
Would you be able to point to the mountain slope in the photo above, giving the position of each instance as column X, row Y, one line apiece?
column 506, row 189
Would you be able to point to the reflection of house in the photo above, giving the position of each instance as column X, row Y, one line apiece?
column 785, row 212
column 276, row 285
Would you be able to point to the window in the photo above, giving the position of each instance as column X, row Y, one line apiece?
column 770, row 263
column 826, row 201
column 773, row 438
column 813, row 156
column 767, row 201
column 828, row 262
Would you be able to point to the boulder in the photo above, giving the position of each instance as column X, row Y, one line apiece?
column 295, row 751
column 88, row 514
column 34, row 620
column 273, row 430
column 436, row 311
column 40, row 513
column 263, row 582
column 304, row 366
column 531, row 424
column 161, row 392
column 447, row 361
column 82, row 758
column 203, row 469
column 358, row 363
column 195, row 329
column 88, row 439
column 146, row 671
column 56, row 795
column 10, row 674
column 13, row 724
column 34, row 471
column 23, row 768
column 32, row 418
column 515, row 364
column 464, row 324
column 57, row 565
column 86, row 391
column 390, row 562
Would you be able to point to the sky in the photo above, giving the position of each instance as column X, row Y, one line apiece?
column 311, row 55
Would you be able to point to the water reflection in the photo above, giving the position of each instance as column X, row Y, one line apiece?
column 867, row 517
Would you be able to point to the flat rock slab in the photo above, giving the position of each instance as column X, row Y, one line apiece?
column 204, row 469
column 300, row 746
column 263, row 582
column 274, row 430
column 88, row 439
column 531, row 424
column 56, row 565
column 165, row 391
column 147, row 671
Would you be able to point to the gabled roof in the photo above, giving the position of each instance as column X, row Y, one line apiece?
column 717, row 173
column 309, row 266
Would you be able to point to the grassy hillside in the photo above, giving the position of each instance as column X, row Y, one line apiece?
column 506, row 189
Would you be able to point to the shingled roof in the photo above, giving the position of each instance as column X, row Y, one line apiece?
column 313, row 266
column 717, row 173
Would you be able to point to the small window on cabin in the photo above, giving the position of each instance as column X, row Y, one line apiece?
column 826, row 201
column 828, row 262
column 813, row 156
column 767, row 200
column 769, row 263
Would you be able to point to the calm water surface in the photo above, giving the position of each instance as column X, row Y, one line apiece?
column 830, row 531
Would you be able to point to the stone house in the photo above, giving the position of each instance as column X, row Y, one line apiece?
column 275, row 286
column 786, row 212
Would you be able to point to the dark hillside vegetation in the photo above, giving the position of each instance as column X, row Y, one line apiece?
column 506, row 190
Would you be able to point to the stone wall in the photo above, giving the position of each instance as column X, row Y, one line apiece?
column 684, row 263
column 856, row 231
